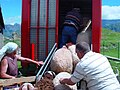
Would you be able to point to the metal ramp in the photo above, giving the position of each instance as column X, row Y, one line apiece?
column 46, row 63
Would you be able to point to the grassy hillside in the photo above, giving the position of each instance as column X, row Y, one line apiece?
column 110, row 36
column 110, row 45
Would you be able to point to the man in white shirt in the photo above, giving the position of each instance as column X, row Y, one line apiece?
column 94, row 68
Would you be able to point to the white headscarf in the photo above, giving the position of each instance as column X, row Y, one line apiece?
column 8, row 48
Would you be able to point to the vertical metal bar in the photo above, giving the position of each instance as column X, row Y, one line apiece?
column 29, row 18
column 57, row 21
column 103, row 48
column 25, row 30
column 96, row 25
column 33, row 51
column 38, row 23
column 47, row 19
column 118, row 49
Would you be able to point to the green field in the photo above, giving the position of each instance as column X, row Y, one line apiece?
column 110, row 45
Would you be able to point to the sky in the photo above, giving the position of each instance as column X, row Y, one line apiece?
column 110, row 9
column 11, row 10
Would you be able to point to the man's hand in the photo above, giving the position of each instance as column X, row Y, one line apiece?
column 62, row 81
column 66, row 81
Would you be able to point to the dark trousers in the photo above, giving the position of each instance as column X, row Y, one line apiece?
column 69, row 34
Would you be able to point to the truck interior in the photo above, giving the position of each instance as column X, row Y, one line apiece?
column 38, row 34
column 67, row 5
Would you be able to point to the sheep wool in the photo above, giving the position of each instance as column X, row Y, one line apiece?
column 62, row 61
column 27, row 86
column 75, row 58
column 59, row 86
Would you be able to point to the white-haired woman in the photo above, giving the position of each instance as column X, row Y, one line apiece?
column 8, row 63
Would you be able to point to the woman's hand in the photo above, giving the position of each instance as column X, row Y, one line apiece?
column 40, row 63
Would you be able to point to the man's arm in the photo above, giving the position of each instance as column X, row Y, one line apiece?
column 66, row 81
column 76, row 76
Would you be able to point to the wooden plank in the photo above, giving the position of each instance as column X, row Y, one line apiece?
column 7, row 82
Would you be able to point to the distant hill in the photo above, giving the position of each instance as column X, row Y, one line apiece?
column 10, row 29
column 113, row 25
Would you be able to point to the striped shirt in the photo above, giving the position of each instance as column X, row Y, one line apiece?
column 96, row 70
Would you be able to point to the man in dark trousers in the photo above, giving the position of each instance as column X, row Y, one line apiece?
column 72, row 25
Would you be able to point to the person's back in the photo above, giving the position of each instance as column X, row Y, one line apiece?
column 12, row 66
column 74, row 18
column 71, row 27
column 98, row 72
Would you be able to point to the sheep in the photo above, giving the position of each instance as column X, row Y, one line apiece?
column 62, row 61
column 59, row 86
column 75, row 58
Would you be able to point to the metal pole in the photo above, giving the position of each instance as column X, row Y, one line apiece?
column 103, row 48
column 118, row 49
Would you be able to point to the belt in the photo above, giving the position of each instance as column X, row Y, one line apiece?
column 71, row 23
